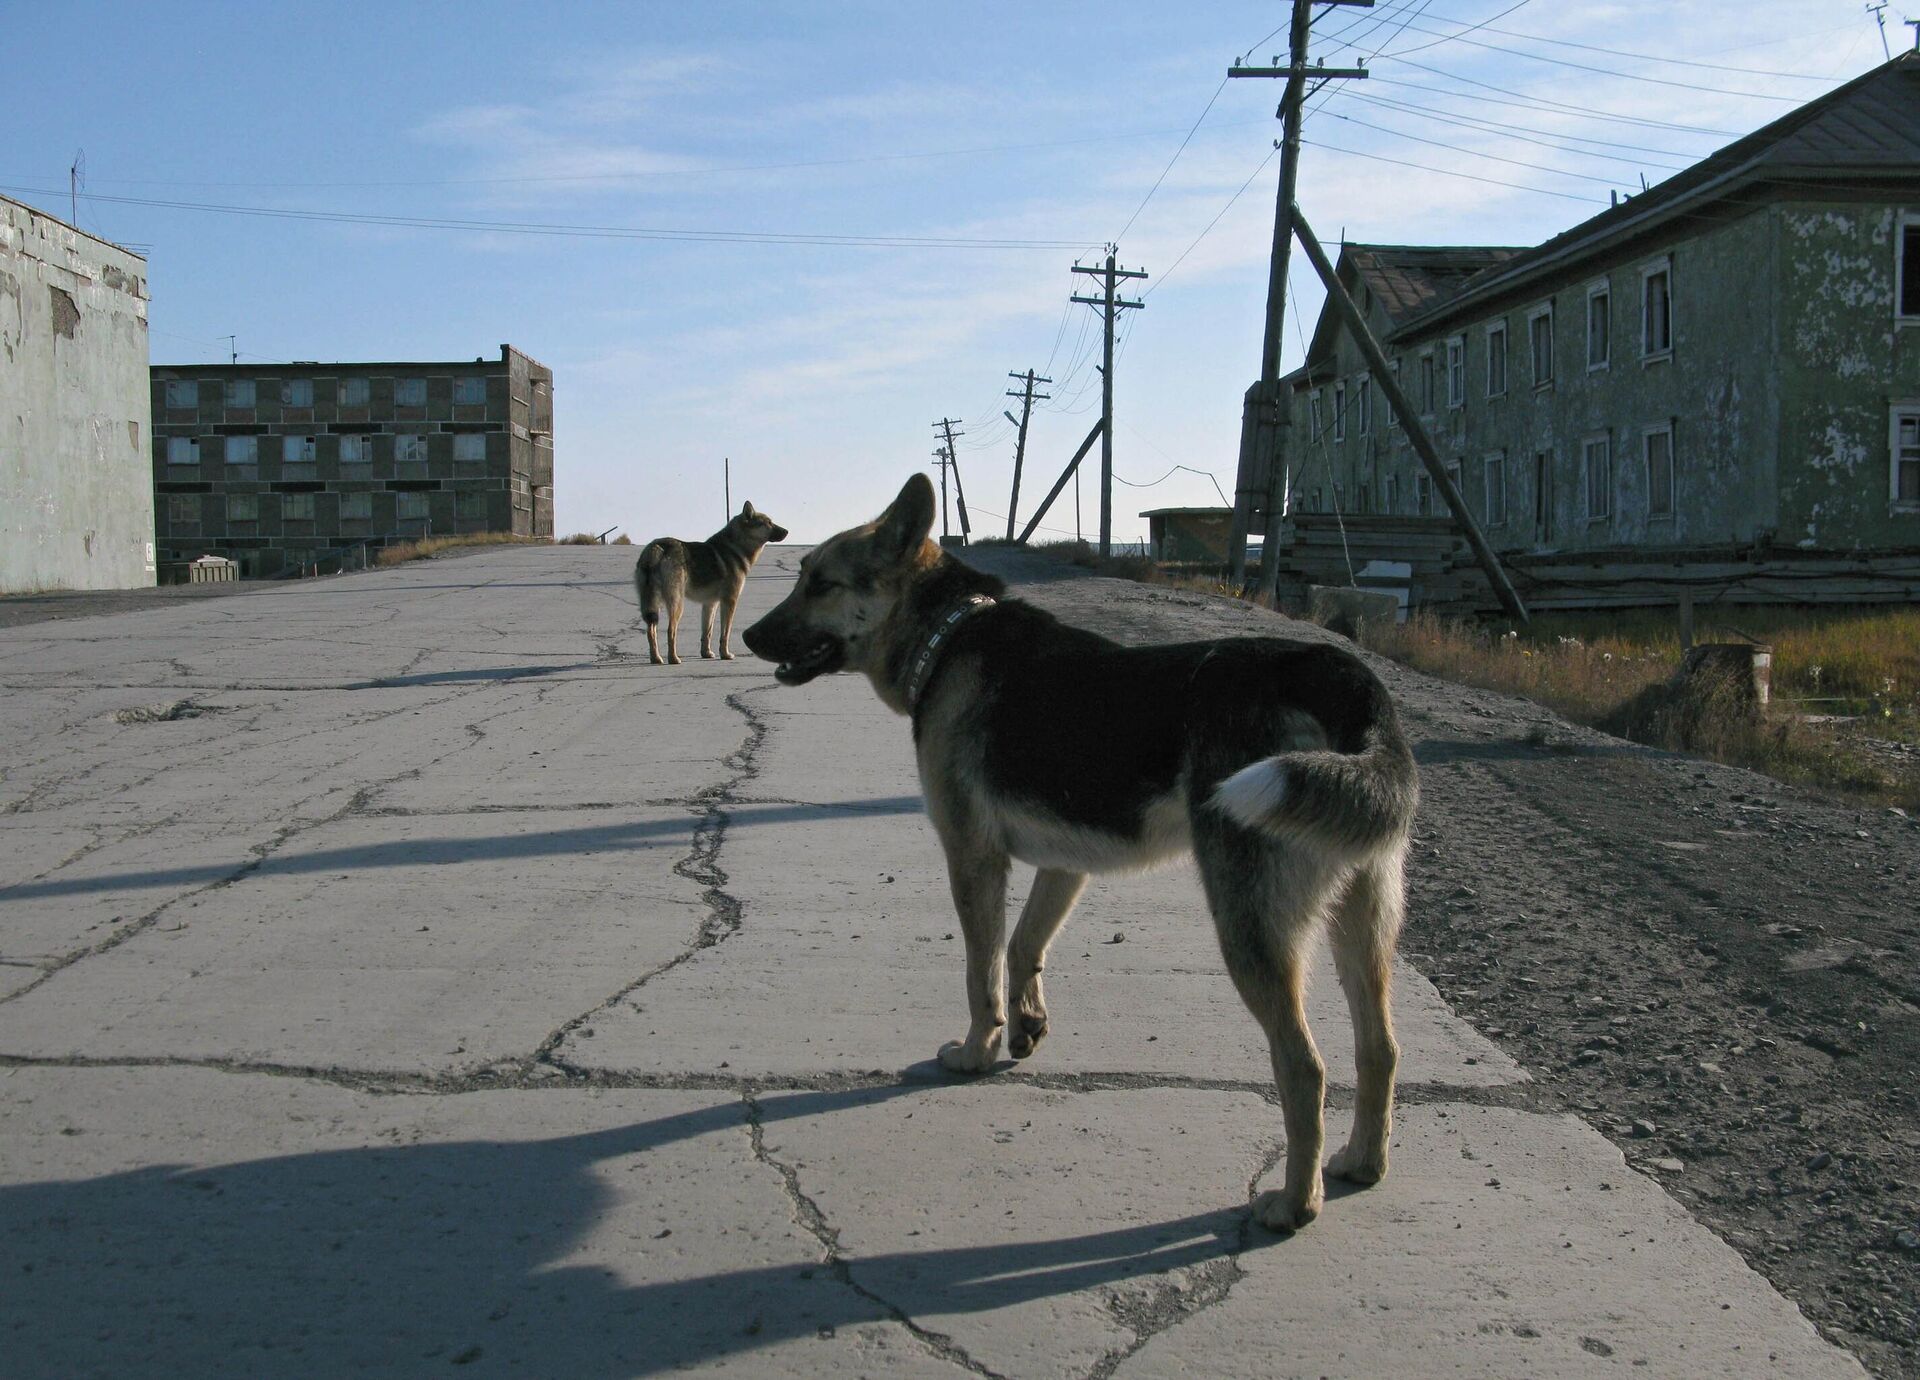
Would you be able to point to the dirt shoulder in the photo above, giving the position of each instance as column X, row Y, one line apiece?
column 1717, row 971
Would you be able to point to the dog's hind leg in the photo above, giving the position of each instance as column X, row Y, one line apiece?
column 706, row 631
column 1047, row 908
column 676, row 602
column 1365, row 923
column 1266, row 900
column 979, row 882
column 726, row 628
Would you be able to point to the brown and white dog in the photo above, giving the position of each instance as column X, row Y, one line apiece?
column 714, row 571
column 1279, row 764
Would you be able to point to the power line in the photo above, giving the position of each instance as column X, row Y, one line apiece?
column 1408, row 22
column 1477, row 122
column 1170, row 162
column 1562, row 105
column 1476, row 153
column 1217, row 215
column 1449, row 172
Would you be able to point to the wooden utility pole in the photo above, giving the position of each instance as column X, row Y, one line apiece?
column 726, row 473
column 952, row 462
column 1027, row 397
column 1110, row 309
column 940, row 454
column 1416, row 430
column 1262, row 471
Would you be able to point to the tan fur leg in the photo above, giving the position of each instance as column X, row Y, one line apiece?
column 979, row 883
column 1302, row 1080
column 1047, row 908
column 673, row 629
column 653, row 644
column 1365, row 924
column 706, row 631
column 726, row 628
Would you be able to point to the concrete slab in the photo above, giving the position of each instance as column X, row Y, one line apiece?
column 418, row 943
column 193, row 1223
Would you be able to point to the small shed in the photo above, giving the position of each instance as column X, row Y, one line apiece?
column 1188, row 535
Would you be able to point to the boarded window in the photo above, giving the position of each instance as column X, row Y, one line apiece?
column 1457, row 371
column 1423, row 494
column 181, row 450
column 470, row 446
column 296, row 392
column 356, row 507
column 296, row 450
column 410, row 450
column 356, row 450
column 409, row 392
column 1314, row 423
column 412, row 507
column 1540, row 337
column 182, row 394
column 1656, row 335
column 297, row 507
column 1543, row 495
column 1910, row 269
column 470, row 392
column 1364, row 391
column 355, row 392
column 1495, row 471
column 243, row 450
column 1496, row 359
column 1393, row 493
column 243, row 507
column 1596, row 459
column 1426, row 383
column 1660, row 473
column 238, row 393
column 1906, row 456
column 1339, row 412
column 1599, row 328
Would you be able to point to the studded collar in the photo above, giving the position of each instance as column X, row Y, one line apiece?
column 928, row 656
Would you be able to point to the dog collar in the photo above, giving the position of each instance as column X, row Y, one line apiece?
column 929, row 655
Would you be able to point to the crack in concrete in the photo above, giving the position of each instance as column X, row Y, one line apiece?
column 701, row 866
column 809, row 1217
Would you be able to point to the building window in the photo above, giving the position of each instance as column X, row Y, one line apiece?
column 1313, row 414
column 296, row 392
column 182, row 394
column 409, row 450
column 356, row 450
column 1540, row 337
column 297, row 450
column 1906, row 456
column 1494, row 469
column 1659, row 448
column 409, row 392
column 1313, row 502
column 238, row 393
column 1423, row 494
column 469, row 392
column 412, row 507
column 243, row 450
column 355, row 392
column 243, row 508
column 1457, row 371
column 1599, row 326
column 1426, row 383
column 1339, row 420
column 1393, row 372
column 1596, row 459
column 296, row 507
column 1906, row 271
column 470, row 503
column 183, row 510
column 1393, row 493
column 182, row 450
column 1543, row 495
column 470, row 446
column 1496, row 359
column 356, row 507
column 1364, row 394
column 1656, row 311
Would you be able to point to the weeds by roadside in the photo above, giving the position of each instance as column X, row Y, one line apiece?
column 402, row 552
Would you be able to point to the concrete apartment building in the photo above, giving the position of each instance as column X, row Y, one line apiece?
column 1727, row 361
column 76, row 497
column 280, row 466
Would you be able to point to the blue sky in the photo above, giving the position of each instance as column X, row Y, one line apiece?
column 819, row 368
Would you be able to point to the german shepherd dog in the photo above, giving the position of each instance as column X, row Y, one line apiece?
column 1279, row 764
column 714, row 571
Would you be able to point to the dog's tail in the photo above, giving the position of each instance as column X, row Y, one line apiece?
column 1349, row 802
column 646, row 581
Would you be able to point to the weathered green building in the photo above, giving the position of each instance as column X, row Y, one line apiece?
column 1727, row 362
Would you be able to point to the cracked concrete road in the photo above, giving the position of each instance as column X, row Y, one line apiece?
column 442, row 985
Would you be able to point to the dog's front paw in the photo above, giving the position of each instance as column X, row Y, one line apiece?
column 969, row 1056
column 1286, row 1211
column 674, row 660
column 726, row 656
column 1357, row 1165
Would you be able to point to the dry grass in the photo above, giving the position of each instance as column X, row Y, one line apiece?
column 1616, row 672
column 1140, row 569
column 403, row 552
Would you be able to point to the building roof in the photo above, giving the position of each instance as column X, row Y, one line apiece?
column 1866, row 130
column 1406, row 279
column 68, row 225
column 328, row 366
column 1187, row 512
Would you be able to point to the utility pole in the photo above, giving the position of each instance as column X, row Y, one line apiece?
column 726, row 472
column 1914, row 24
column 1263, row 421
column 952, row 462
column 1110, row 309
column 1879, row 13
column 940, row 454
column 1027, row 397
column 233, row 348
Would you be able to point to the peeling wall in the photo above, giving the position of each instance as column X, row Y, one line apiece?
column 1844, row 364
column 76, row 491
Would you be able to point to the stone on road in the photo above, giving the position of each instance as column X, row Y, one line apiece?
column 449, row 987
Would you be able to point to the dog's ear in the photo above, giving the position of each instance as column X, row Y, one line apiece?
column 746, row 509
column 907, row 521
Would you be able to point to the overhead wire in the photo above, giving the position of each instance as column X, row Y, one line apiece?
column 1171, row 161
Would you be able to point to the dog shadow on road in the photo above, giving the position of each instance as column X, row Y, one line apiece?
column 389, row 1259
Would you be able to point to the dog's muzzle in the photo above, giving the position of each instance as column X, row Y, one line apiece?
column 777, row 534
column 801, row 654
